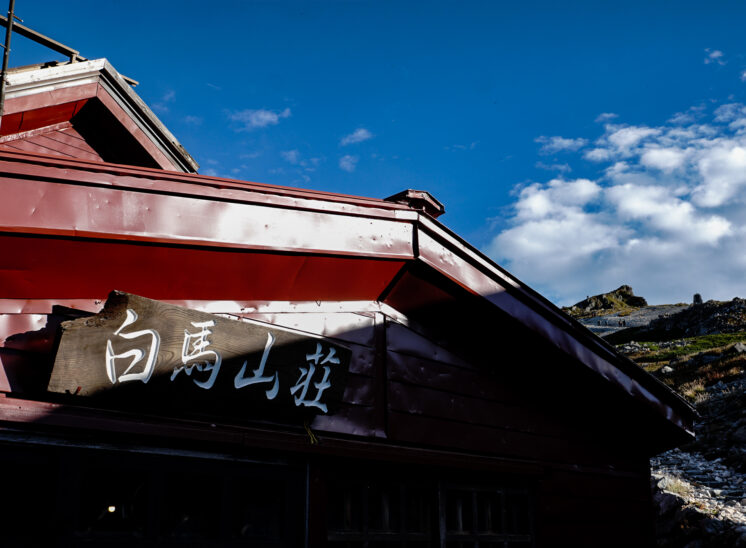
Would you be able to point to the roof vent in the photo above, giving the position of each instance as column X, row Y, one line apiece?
column 420, row 200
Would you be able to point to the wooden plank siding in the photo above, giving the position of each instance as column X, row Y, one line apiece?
column 444, row 403
column 65, row 142
column 498, row 409
column 585, row 495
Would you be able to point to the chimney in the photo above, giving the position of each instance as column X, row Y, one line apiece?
column 421, row 200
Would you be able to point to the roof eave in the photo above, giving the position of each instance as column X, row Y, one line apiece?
column 100, row 71
column 131, row 102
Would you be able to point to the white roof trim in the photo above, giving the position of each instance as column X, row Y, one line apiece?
column 30, row 82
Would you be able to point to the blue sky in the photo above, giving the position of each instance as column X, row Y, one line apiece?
column 581, row 145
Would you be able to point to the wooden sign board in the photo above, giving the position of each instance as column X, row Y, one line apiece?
column 140, row 353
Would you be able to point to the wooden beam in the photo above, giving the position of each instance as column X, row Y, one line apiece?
column 40, row 38
column 26, row 32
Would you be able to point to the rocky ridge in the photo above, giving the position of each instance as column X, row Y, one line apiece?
column 621, row 299
column 703, row 319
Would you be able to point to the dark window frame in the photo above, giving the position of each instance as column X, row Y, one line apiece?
column 363, row 534
column 475, row 536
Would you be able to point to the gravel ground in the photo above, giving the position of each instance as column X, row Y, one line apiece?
column 701, row 499
column 708, row 485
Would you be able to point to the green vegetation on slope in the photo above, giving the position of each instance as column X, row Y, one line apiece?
column 694, row 362
column 693, row 345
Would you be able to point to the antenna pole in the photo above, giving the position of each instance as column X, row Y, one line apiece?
column 6, row 53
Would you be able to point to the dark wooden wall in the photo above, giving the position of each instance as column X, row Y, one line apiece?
column 593, row 488
column 522, row 403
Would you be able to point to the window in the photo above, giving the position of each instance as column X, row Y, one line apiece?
column 485, row 517
column 406, row 513
column 377, row 512
column 66, row 496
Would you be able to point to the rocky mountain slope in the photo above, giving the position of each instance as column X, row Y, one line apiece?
column 698, row 350
column 620, row 300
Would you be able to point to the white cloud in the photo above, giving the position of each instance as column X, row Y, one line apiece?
column 664, row 159
column 730, row 112
column 722, row 171
column 470, row 146
column 291, row 156
column 606, row 117
column 743, row 76
column 689, row 116
column 666, row 213
column 625, row 138
column 714, row 56
column 348, row 163
column 660, row 209
column 550, row 145
column 562, row 168
column 358, row 136
column 538, row 201
column 193, row 120
column 619, row 141
column 598, row 155
column 250, row 119
column 163, row 104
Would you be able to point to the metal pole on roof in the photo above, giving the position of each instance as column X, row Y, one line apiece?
column 6, row 53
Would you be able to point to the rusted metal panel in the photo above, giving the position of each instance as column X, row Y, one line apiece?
column 47, row 144
column 59, row 142
column 16, row 332
column 455, row 261
column 162, row 147
column 52, row 208
column 45, row 306
column 34, row 132
column 346, row 326
column 4, row 382
column 79, row 172
column 38, row 118
column 293, row 309
column 75, row 144
column 50, row 98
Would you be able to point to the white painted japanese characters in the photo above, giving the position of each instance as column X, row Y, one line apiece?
column 137, row 349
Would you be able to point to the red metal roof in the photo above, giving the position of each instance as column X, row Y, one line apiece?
column 99, row 104
column 73, row 230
